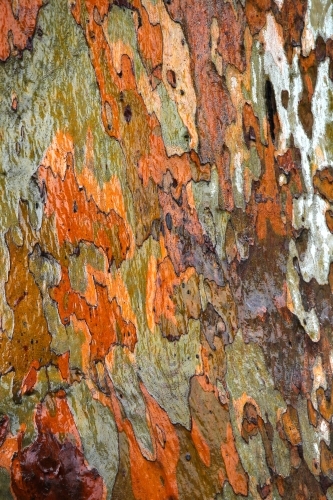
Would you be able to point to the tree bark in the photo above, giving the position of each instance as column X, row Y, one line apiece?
column 166, row 242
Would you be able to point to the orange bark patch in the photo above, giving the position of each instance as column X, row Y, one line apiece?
column 157, row 163
column 255, row 11
column 7, row 451
column 63, row 364
column 291, row 426
column 151, row 291
column 30, row 379
column 323, row 183
column 107, row 198
column 166, row 281
column 149, row 36
column 78, row 218
column 56, row 154
column 236, row 475
column 17, row 28
column 329, row 219
column 105, row 322
column 152, row 479
column 200, row 444
column 55, row 416
column 269, row 209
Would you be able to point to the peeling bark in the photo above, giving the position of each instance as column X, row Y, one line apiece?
column 166, row 243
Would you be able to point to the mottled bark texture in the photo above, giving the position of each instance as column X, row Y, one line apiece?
column 166, row 249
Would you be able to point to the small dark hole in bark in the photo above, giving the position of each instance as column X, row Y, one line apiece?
column 168, row 220
column 128, row 113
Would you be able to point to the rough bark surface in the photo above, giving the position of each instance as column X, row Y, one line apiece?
column 166, row 249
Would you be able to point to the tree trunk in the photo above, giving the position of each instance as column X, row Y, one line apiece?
column 166, row 277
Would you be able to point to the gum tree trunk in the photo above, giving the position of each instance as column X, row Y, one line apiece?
column 166, row 248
